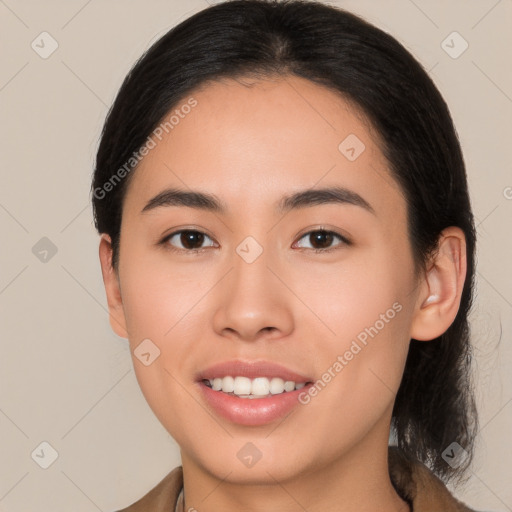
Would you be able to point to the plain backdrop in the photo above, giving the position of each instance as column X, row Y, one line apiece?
column 65, row 378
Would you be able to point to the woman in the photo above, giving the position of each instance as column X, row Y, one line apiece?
column 287, row 242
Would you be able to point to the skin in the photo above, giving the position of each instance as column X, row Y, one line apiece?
column 250, row 143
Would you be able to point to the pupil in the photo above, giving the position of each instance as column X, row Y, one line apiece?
column 321, row 235
column 187, row 239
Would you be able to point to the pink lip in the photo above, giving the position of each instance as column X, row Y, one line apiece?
column 251, row 369
column 251, row 412
column 247, row 411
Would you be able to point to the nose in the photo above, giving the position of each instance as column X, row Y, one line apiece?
column 253, row 302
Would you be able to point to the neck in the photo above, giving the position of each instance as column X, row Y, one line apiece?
column 357, row 480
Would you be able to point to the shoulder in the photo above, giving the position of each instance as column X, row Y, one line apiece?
column 162, row 497
column 418, row 485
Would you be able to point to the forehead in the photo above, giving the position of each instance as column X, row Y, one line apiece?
column 246, row 139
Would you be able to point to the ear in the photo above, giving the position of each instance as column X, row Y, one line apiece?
column 112, row 288
column 441, row 287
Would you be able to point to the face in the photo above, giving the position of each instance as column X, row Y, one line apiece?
column 318, row 291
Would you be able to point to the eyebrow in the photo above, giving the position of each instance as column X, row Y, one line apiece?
column 297, row 200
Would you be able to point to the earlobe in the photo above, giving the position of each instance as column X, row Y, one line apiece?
column 112, row 288
column 439, row 299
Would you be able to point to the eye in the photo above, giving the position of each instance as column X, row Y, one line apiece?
column 324, row 238
column 189, row 239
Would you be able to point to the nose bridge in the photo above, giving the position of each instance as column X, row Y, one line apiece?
column 253, row 298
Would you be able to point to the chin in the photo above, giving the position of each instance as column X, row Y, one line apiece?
column 251, row 460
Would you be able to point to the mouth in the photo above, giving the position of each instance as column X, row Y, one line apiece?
column 252, row 393
column 259, row 387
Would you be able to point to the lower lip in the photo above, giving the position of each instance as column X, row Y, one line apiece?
column 252, row 411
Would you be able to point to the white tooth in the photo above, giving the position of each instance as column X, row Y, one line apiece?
column 289, row 385
column 255, row 388
column 242, row 386
column 260, row 386
column 228, row 384
column 276, row 385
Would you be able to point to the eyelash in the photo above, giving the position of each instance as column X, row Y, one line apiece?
column 168, row 246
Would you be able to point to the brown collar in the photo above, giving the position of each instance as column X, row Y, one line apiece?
column 414, row 482
column 419, row 486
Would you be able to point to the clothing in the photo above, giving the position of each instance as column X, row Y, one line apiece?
column 414, row 482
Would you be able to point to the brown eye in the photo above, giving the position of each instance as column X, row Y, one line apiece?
column 187, row 240
column 321, row 240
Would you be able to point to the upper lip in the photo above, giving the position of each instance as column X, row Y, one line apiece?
column 251, row 369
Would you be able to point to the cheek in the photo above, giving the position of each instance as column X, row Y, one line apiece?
column 350, row 296
column 157, row 323
column 359, row 371
column 156, row 296
column 368, row 312
column 165, row 318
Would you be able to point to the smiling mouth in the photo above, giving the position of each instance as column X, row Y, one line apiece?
column 260, row 387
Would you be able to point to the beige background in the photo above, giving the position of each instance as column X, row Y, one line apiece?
column 65, row 377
